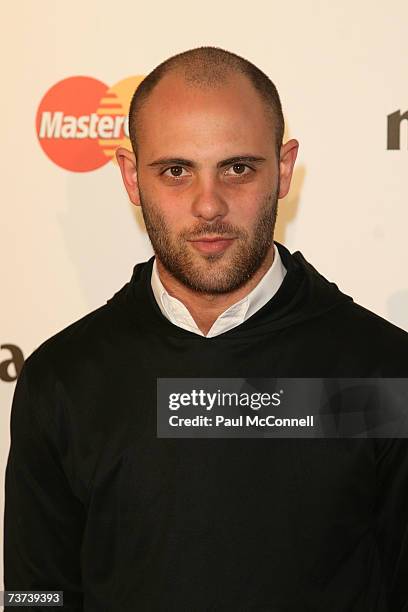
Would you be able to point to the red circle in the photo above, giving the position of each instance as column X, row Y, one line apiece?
column 66, row 120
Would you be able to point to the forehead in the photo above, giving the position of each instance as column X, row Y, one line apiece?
column 179, row 114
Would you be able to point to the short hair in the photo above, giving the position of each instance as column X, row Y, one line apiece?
column 209, row 67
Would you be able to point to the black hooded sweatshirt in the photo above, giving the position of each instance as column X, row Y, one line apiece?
column 123, row 521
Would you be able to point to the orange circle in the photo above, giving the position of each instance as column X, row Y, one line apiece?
column 115, row 105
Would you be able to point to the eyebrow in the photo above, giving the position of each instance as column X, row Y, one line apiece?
column 180, row 161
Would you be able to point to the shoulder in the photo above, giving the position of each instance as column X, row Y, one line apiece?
column 365, row 323
column 360, row 333
column 86, row 340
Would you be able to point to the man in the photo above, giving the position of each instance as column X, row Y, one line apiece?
column 120, row 519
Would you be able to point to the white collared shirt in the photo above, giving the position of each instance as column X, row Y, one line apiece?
column 175, row 311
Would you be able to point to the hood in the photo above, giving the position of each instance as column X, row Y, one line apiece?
column 303, row 294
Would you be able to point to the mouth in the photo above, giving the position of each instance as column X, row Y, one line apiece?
column 213, row 244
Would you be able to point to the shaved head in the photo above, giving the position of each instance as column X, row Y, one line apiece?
column 208, row 68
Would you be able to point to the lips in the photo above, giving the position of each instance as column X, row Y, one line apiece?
column 212, row 245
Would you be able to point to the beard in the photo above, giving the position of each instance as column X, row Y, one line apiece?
column 212, row 273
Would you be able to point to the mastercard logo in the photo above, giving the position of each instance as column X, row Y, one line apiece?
column 81, row 122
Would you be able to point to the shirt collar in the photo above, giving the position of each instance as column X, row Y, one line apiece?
column 176, row 312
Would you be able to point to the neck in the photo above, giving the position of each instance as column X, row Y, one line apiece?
column 205, row 308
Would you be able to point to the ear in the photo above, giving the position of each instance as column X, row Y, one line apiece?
column 127, row 164
column 288, row 154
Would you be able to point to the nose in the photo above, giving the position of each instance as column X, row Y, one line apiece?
column 208, row 201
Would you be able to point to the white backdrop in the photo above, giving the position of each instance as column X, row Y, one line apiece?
column 70, row 239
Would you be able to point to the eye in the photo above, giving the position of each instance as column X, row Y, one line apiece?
column 174, row 172
column 238, row 170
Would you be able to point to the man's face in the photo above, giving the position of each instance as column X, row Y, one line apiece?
column 210, row 268
column 208, row 181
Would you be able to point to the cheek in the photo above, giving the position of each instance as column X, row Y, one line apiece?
column 246, row 207
column 162, row 203
column 174, row 206
column 171, row 213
